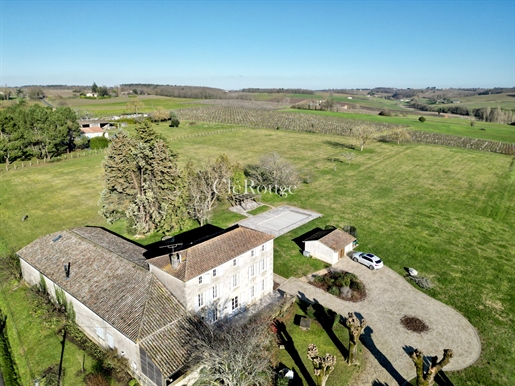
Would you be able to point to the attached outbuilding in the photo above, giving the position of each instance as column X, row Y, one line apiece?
column 329, row 245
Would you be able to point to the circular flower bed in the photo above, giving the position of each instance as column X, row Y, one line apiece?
column 412, row 323
column 344, row 285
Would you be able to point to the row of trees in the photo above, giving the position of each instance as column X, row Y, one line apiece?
column 35, row 131
column 488, row 114
column 145, row 186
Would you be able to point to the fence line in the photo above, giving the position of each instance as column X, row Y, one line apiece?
column 24, row 164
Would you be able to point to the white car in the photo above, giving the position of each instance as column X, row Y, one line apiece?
column 370, row 260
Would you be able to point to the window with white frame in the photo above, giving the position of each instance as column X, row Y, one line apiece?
column 200, row 279
column 214, row 272
column 262, row 285
column 110, row 340
column 234, row 280
column 234, row 303
column 252, row 271
column 252, row 292
column 200, row 300
column 214, row 292
column 261, row 265
column 213, row 315
column 100, row 332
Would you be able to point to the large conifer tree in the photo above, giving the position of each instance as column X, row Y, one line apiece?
column 143, row 183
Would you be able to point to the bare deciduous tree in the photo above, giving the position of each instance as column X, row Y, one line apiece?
column 427, row 378
column 348, row 156
column 355, row 327
column 274, row 172
column 365, row 134
column 400, row 134
column 134, row 105
column 232, row 354
column 322, row 366
column 207, row 186
column 159, row 114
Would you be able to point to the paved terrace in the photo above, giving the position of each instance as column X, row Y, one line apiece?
column 279, row 221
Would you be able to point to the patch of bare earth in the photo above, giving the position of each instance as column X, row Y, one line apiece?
column 412, row 323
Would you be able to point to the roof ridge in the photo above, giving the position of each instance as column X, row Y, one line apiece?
column 144, row 312
column 183, row 317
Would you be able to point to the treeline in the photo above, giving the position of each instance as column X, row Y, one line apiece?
column 488, row 114
column 35, row 131
column 196, row 92
column 278, row 90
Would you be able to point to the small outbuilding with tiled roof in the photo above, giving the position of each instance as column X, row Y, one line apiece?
column 329, row 245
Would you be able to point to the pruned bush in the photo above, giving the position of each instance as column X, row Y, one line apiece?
column 98, row 143
column 422, row 119
column 385, row 113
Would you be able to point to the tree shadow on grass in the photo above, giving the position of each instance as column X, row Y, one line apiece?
column 326, row 319
column 286, row 340
column 368, row 342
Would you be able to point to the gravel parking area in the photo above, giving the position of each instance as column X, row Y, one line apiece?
column 387, row 343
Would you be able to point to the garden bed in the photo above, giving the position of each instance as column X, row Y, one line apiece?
column 342, row 284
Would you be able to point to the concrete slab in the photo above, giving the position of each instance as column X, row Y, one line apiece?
column 280, row 220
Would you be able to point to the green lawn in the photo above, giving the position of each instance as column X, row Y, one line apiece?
column 34, row 340
column 118, row 105
column 335, row 342
column 448, row 212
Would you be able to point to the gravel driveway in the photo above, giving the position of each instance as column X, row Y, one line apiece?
column 387, row 342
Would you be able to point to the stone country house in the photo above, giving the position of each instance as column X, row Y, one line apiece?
column 137, row 306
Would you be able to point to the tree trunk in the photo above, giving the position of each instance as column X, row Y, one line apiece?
column 428, row 378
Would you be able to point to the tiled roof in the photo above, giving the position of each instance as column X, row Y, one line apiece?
column 212, row 253
column 336, row 239
column 124, row 294
column 91, row 129
column 114, row 243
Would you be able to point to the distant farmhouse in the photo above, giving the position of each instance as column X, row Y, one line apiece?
column 137, row 306
column 95, row 128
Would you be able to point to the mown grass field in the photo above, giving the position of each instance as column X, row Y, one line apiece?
column 505, row 101
column 118, row 106
column 449, row 213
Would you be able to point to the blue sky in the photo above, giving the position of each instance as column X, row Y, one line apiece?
column 236, row 44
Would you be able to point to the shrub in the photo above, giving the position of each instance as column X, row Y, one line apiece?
column 334, row 290
column 174, row 120
column 422, row 119
column 319, row 279
column 98, row 143
column 385, row 113
column 310, row 312
column 356, row 285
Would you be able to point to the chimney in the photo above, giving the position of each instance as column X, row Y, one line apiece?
column 67, row 270
column 175, row 259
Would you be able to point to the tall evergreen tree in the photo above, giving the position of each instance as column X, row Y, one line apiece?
column 143, row 183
